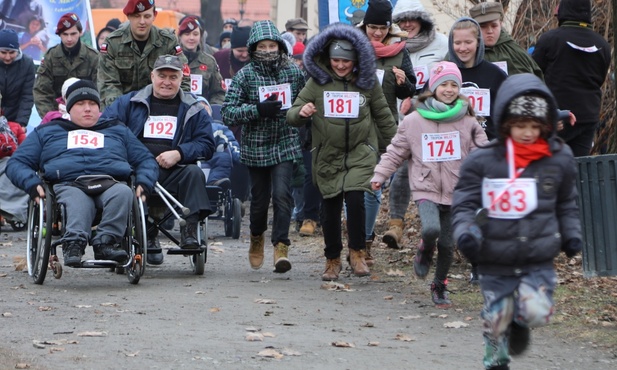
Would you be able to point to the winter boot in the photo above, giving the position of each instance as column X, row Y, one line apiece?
column 439, row 293
column 154, row 254
column 423, row 260
column 308, row 228
column 519, row 339
column 256, row 251
column 368, row 257
column 281, row 262
column 358, row 262
column 333, row 268
column 188, row 234
column 105, row 249
column 393, row 236
column 72, row 252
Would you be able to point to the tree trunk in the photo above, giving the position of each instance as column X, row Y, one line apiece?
column 211, row 14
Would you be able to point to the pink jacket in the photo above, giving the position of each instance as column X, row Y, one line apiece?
column 430, row 180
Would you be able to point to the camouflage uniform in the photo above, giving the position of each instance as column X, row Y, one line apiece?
column 212, row 88
column 124, row 68
column 56, row 68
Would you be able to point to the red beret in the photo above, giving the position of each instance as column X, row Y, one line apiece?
column 137, row 6
column 67, row 21
column 189, row 24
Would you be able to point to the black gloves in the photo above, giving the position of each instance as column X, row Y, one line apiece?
column 270, row 107
column 572, row 247
column 469, row 242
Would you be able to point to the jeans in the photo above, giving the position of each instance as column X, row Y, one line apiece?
column 372, row 202
column 298, row 209
column 276, row 181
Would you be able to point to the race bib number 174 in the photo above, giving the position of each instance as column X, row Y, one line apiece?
column 440, row 147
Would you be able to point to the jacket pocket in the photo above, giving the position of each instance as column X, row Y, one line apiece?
column 125, row 69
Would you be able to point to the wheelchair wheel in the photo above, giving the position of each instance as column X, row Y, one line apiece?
column 198, row 261
column 236, row 218
column 38, row 242
column 137, row 242
column 18, row 225
column 228, row 214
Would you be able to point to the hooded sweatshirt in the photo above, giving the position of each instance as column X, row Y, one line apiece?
column 575, row 61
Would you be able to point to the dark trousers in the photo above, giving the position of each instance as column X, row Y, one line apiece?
column 312, row 196
column 188, row 185
column 579, row 137
column 276, row 181
column 331, row 223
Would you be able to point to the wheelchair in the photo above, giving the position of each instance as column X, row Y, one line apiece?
column 225, row 207
column 162, row 206
column 45, row 222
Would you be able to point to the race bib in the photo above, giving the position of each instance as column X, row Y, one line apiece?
column 422, row 74
column 480, row 100
column 85, row 139
column 160, row 127
column 380, row 73
column 503, row 65
column 282, row 91
column 196, row 84
column 507, row 199
column 227, row 83
column 441, row 147
column 341, row 104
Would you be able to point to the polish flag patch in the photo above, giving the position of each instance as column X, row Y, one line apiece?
column 178, row 49
column 103, row 48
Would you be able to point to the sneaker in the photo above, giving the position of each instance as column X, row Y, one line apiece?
column 109, row 252
column 256, row 251
column 423, row 260
column 518, row 339
column 439, row 293
column 155, row 253
column 281, row 261
column 72, row 254
column 308, row 228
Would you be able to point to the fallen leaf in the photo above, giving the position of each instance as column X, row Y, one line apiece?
column 271, row 353
column 45, row 308
column 131, row 354
column 4, row 275
column 410, row 317
column 388, row 298
column 373, row 344
column 200, row 292
column 290, row 352
column 396, row 272
column 455, row 325
column 7, row 314
column 443, row 316
column 268, row 335
column 404, row 338
column 109, row 304
column 92, row 334
column 56, row 349
column 215, row 309
column 215, row 249
column 468, row 318
column 368, row 325
column 83, row 306
column 342, row 344
column 254, row 337
column 22, row 365
column 251, row 328
column 265, row 301
column 20, row 263
column 331, row 285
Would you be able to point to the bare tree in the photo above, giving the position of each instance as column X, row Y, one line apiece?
column 211, row 14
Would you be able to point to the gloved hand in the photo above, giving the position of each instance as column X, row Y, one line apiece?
column 469, row 242
column 33, row 192
column 572, row 247
column 269, row 107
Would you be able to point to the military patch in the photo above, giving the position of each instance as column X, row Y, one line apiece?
column 186, row 71
column 104, row 48
column 178, row 49
column 203, row 67
column 362, row 100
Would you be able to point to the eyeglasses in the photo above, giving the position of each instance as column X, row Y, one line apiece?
column 374, row 28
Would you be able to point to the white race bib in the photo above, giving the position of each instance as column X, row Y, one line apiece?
column 196, row 84
column 503, row 65
column 283, row 92
column 341, row 104
column 509, row 199
column 160, row 127
column 441, row 147
column 85, row 139
column 480, row 100
column 380, row 73
column 422, row 74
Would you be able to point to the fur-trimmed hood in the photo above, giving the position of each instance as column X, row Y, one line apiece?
column 317, row 56
column 413, row 9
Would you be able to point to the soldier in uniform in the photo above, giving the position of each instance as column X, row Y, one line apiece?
column 128, row 55
column 206, row 79
column 70, row 58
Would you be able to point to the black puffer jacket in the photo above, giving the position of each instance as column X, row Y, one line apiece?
column 16, row 83
column 513, row 246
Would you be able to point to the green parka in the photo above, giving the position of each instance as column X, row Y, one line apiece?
column 345, row 150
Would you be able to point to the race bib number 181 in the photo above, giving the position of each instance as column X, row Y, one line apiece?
column 341, row 104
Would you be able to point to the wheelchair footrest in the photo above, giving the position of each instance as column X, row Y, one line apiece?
column 155, row 250
column 99, row 264
column 186, row 252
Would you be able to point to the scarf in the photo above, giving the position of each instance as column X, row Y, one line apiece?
column 387, row 51
column 191, row 55
column 434, row 110
column 265, row 56
column 420, row 41
column 527, row 153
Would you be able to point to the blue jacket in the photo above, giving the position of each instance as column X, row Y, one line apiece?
column 45, row 150
column 227, row 153
column 193, row 138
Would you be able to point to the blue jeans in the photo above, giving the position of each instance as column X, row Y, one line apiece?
column 372, row 202
column 276, row 181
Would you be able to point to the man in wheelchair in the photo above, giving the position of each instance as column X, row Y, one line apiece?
column 87, row 161
column 175, row 127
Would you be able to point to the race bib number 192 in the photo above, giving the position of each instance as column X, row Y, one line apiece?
column 85, row 139
column 160, row 127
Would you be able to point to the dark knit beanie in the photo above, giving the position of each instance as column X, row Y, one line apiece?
column 240, row 37
column 379, row 12
column 9, row 40
column 81, row 90
column 574, row 10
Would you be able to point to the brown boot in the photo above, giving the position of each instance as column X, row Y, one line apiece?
column 308, row 228
column 358, row 263
column 333, row 268
column 281, row 262
column 368, row 258
column 256, row 251
column 393, row 236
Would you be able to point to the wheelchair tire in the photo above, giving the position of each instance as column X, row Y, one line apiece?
column 57, row 269
column 137, row 244
column 18, row 225
column 236, row 219
column 38, row 241
column 198, row 262
column 228, row 214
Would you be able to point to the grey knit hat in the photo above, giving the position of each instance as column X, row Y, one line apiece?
column 342, row 49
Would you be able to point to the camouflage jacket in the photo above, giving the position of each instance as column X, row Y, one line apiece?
column 56, row 68
column 205, row 65
column 124, row 68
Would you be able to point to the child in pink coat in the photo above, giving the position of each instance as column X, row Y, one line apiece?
column 435, row 139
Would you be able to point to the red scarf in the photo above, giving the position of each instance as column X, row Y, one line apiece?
column 386, row 51
column 527, row 153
